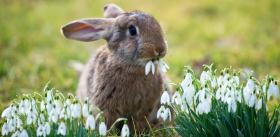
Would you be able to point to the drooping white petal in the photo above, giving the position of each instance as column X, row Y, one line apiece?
column 165, row 99
column 188, row 93
column 6, row 112
column 76, row 110
column 148, row 67
column 125, row 131
column 90, row 123
column 40, row 131
column 232, row 106
column 187, row 80
column 273, row 89
column 176, row 99
column 5, row 129
column 252, row 100
column 42, row 105
column 61, row 129
column 258, row 105
column 102, row 129
column 85, row 110
column 23, row 133
column 153, row 68
column 47, row 128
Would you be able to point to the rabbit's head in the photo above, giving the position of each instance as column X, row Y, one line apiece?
column 134, row 36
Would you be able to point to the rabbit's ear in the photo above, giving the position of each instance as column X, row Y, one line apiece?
column 88, row 29
column 112, row 11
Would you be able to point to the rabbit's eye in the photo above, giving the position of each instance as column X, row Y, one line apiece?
column 132, row 30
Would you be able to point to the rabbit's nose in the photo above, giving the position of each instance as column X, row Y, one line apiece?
column 160, row 52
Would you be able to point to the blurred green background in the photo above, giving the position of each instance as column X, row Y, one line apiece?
column 237, row 33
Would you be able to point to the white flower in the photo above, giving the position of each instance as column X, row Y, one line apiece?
column 150, row 66
column 252, row 100
column 76, row 110
column 188, row 93
column 164, row 113
column 204, row 77
column 165, row 99
column 258, row 105
column 47, row 128
column 53, row 116
column 177, row 98
column 61, row 129
column 203, row 107
column 49, row 95
column 187, row 80
column 90, row 123
column 23, row 133
column 125, row 131
column 40, row 131
column 163, row 66
column 273, row 89
column 42, row 105
column 15, row 134
column 5, row 129
column 31, row 118
column 232, row 106
column 102, row 129
column 85, row 109
column 219, row 93
column 6, row 112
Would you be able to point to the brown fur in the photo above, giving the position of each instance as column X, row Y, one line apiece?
column 114, row 80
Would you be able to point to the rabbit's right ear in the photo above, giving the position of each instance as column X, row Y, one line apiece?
column 112, row 11
column 88, row 29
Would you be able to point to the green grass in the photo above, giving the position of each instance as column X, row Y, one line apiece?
column 238, row 33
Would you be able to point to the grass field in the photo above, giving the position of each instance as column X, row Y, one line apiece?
column 237, row 33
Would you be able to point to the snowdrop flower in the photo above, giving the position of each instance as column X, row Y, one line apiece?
column 150, row 67
column 5, row 129
column 85, row 108
column 6, row 112
column 47, row 128
column 49, row 95
column 164, row 113
column 219, row 93
column 204, row 77
column 258, row 105
column 273, row 89
column 165, row 99
column 42, row 106
column 125, row 131
column 176, row 99
column 23, row 133
column 61, row 129
column 76, row 110
column 163, row 66
column 31, row 118
column 232, row 106
column 40, row 131
column 187, row 80
column 188, row 93
column 90, row 123
column 53, row 116
column 15, row 134
column 203, row 107
column 252, row 100
column 102, row 129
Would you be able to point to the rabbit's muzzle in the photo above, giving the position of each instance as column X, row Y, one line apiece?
column 153, row 51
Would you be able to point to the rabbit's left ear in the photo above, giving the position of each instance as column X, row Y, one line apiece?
column 88, row 29
column 112, row 11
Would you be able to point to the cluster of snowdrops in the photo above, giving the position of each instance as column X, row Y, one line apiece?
column 54, row 114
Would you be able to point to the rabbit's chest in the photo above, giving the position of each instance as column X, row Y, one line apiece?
column 124, row 92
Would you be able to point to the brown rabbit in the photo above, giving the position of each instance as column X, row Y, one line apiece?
column 114, row 80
